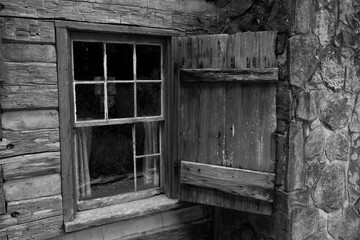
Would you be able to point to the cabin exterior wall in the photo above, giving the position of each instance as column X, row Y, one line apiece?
column 30, row 149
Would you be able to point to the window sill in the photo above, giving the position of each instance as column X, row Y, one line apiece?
column 114, row 213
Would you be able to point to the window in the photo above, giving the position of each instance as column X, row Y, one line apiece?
column 117, row 92
column 114, row 93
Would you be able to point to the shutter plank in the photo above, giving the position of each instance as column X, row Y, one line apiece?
column 246, row 183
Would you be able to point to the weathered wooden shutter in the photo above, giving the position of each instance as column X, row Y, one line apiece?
column 226, row 120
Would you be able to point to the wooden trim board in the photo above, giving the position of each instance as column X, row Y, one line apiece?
column 227, row 75
column 253, row 184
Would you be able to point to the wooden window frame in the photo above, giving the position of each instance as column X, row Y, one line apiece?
column 64, row 29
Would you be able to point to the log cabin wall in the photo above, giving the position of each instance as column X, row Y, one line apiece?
column 30, row 182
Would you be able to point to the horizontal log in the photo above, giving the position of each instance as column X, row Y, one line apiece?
column 15, row 143
column 35, row 209
column 80, row 26
column 29, row 53
column 118, row 13
column 228, row 75
column 28, row 97
column 30, row 74
column 30, row 120
column 27, row 30
column 109, row 214
column 31, row 165
column 28, row 188
column 240, row 182
column 42, row 229
column 31, row 210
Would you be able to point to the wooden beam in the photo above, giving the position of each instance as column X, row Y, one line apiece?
column 253, row 184
column 116, row 28
column 229, row 75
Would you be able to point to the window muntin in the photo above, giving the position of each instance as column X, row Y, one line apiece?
column 118, row 116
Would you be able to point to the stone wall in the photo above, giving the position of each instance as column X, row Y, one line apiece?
column 324, row 162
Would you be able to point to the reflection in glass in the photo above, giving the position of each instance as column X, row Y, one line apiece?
column 148, row 62
column 120, row 100
column 148, row 99
column 147, row 138
column 104, row 159
column 89, row 101
column 147, row 172
column 119, row 61
column 88, row 61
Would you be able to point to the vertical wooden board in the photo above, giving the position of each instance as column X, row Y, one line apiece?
column 2, row 195
column 267, row 44
column 67, row 168
column 252, row 123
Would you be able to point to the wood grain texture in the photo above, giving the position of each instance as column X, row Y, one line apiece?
column 218, row 121
column 112, row 200
column 15, row 143
column 31, row 210
column 109, row 214
column 159, row 16
column 31, row 165
column 30, row 120
column 246, row 183
column 2, row 61
column 42, row 186
column 98, row 27
column 30, row 74
column 67, row 173
column 28, row 97
column 249, row 75
column 148, row 224
column 2, row 195
column 41, row 230
column 29, row 53
column 27, row 30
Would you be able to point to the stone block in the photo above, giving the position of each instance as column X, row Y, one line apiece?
column 295, row 168
column 303, row 58
column 333, row 71
column 324, row 26
column 304, row 223
column 315, row 143
column 336, row 111
column 309, row 104
column 337, row 147
column 329, row 193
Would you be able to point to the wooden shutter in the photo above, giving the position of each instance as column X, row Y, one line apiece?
column 226, row 120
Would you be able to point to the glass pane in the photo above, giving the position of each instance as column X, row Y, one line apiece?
column 148, row 172
column 148, row 99
column 89, row 101
column 147, row 138
column 104, row 157
column 120, row 100
column 148, row 65
column 120, row 61
column 88, row 61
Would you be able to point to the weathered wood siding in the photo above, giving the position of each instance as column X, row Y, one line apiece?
column 228, row 123
column 30, row 184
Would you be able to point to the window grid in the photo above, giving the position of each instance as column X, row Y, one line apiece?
column 132, row 120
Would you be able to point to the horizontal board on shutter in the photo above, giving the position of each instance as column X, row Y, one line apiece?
column 228, row 75
column 258, row 185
